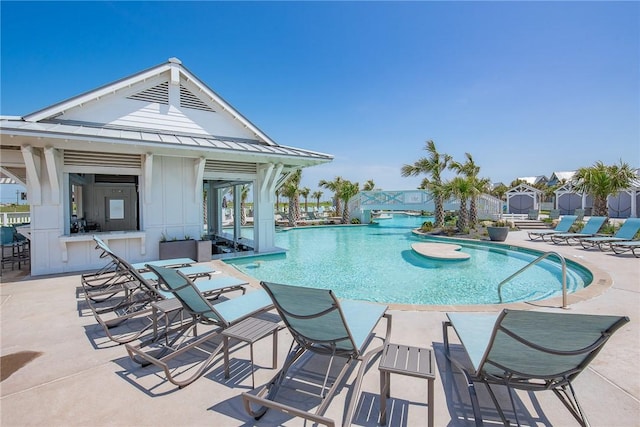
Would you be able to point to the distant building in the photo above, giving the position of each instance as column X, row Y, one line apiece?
column 560, row 177
column 533, row 180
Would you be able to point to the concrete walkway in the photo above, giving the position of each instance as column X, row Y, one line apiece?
column 59, row 370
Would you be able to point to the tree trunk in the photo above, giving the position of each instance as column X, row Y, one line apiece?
column 338, row 207
column 345, row 214
column 463, row 215
column 292, row 213
column 439, row 213
column 473, row 212
column 600, row 206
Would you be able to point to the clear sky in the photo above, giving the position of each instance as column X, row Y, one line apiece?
column 528, row 88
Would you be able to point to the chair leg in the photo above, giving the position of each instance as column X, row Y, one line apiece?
column 570, row 401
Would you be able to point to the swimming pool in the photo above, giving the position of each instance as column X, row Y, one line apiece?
column 376, row 263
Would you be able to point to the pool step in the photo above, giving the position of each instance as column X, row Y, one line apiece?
column 531, row 224
column 533, row 296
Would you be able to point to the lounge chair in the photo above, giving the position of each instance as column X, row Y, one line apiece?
column 529, row 350
column 319, row 324
column 562, row 227
column 221, row 315
column 627, row 232
column 590, row 229
column 626, row 246
column 113, row 278
column 131, row 296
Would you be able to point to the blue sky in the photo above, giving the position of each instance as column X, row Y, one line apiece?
column 528, row 88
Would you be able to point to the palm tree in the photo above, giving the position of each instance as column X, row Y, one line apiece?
column 278, row 193
column 335, row 187
column 433, row 165
column 470, row 170
column 600, row 181
column 244, row 193
column 291, row 191
column 461, row 188
column 317, row 195
column 499, row 191
column 347, row 190
column 369, row 185
column 304, row 192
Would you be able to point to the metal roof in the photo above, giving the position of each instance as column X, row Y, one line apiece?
column 159, row 139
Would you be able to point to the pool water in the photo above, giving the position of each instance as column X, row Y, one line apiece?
column 376, row 263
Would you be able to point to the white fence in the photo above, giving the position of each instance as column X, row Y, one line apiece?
column 15, row 218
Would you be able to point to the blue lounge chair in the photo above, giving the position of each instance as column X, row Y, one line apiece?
column 529, row 350
column 627, row 232
column 321, row 324
column 221, row 316
column 590, row 229
column 562, row 227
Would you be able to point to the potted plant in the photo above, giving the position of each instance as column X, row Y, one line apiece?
column 498, row 231
column 170, row 248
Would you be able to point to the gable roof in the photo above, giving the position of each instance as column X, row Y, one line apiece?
column 559, row 176
column 523, row 188
column 165, row 75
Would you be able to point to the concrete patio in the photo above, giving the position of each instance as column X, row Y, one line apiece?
column 59, row 370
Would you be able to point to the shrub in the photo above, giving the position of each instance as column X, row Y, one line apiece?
column 449, row 231
column 576, row 227
column 609, row 228
column 426, row 226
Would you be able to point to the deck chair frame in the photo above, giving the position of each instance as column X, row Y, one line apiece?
column 627, row 232
column 343, row 346
column 562, row 227
column 202, row 312
column 590, row 229
column 626, row 246
column 129, row 295
column 509, row 336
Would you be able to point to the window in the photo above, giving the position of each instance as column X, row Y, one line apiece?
column 100, row 202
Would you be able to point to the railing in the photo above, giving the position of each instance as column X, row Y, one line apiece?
column 534, row 262
column 15, row 218
column 417, row 200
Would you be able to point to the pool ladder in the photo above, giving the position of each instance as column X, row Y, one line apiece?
column 534, row 262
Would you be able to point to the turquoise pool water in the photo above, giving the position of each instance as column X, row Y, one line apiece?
column 376, row 263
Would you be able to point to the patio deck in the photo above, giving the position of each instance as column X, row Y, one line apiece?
column 77, row 378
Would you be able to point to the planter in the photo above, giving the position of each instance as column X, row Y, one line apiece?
column 197, row 250
column 178, row 249
column 203, row 250
column 498, row 234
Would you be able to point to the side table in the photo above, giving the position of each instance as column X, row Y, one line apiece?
column 251, row 330
column 405, row 360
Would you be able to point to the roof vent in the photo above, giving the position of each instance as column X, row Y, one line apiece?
column 189, row 100
column 159, row 94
